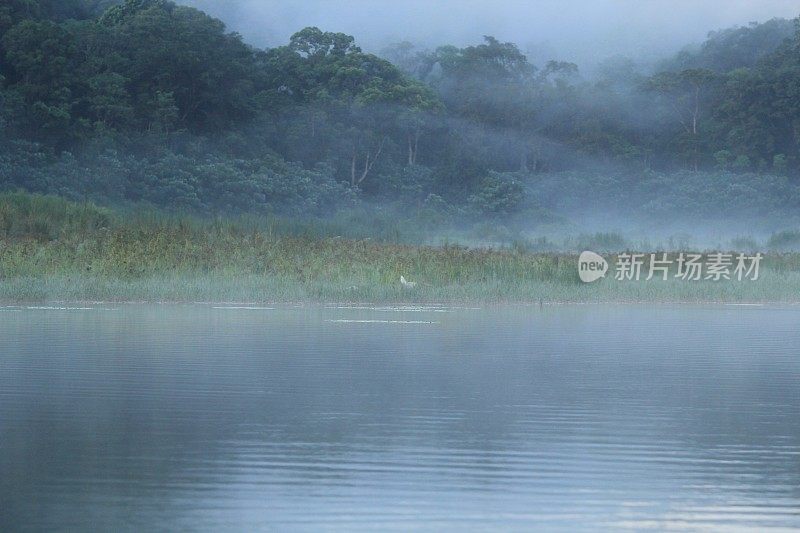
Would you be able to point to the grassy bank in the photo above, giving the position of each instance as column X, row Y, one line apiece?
column 53, row 250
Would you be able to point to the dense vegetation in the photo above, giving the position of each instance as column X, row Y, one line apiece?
column 155, row 103
column 55, row 250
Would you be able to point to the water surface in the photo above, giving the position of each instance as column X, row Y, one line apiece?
column 149, row 418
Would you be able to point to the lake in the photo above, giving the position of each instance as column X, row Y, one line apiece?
column 215, row 417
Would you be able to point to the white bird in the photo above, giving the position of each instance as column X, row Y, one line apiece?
column 407, row 284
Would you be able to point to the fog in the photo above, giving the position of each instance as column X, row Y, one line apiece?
column 475, row 144
column 583, row 31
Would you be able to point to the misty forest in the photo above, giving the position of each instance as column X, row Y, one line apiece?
column 149, row 103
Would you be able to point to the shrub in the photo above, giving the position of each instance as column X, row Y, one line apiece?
column 500, row 193
column 784, row 241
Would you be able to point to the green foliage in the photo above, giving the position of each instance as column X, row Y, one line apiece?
column 785, row 241
column 203, row 184
column 602, row 242
column 685, row 196
column 734, row 48
column 51, row 249
column 411, row 183
column 724, row 159
column 779, row 163
column 499, row 195
column 47, row 218
column 151, row 101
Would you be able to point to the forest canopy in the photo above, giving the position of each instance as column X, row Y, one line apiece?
column 150, row 101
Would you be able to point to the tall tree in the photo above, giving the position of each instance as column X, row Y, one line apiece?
column 688, row 93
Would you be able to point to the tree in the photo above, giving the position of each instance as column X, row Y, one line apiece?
column 43, row 68
column 687, row 93
column 363, row 103
column 164, row 48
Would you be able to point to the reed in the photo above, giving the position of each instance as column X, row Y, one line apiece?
column 55, row 250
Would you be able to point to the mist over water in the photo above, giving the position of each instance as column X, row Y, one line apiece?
column 404, row 222
column 364, row 418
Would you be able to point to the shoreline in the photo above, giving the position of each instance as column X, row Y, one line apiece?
column 392, row 306
column 89, row 254
column 10, row 301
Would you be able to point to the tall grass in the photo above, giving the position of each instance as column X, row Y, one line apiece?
column 52, row 249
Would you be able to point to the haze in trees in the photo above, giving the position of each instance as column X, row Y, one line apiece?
column 150, row 101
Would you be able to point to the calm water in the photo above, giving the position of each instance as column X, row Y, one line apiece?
column 153, row 418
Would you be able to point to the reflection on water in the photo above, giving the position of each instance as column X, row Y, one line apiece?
column 200, row 417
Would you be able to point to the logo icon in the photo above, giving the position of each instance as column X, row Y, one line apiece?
column 591, row 267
